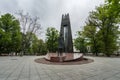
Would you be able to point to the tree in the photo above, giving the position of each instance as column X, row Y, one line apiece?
column 105, row 18
column 90, row 32
column 114, row 7
column 41, row 47
column 10, row 37
column 35, row 43
column 80, row 42
column 36, row 46
column 28, row 25
column 52, row 39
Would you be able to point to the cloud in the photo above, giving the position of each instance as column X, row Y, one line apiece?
column 50, row 11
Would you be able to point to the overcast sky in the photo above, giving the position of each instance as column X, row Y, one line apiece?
column 50, row 11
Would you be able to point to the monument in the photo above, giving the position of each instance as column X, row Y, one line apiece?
column 66, row 33
column 65, row 54
column 65, row 44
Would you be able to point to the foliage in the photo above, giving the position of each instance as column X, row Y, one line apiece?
column 35, row 46
column 29, row 25
column 38, row 46
column 105, row 19
column 14, row 41
column 90, row 32
column 52, row 39
column 10, row 37
column 80, row 43
column 42, row 48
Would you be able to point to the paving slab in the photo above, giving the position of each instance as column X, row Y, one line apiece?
column 25, row 68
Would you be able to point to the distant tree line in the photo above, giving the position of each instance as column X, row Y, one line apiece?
column 19, row 36
column 101, row 32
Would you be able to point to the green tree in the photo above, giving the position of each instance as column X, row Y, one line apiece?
column 90, row 32
column 105, row 18
column 10, row 37
column 35, row 43
column 42, row 48
column 30, row 40
column 80, row 42
column 52, row 39
column 29, row 25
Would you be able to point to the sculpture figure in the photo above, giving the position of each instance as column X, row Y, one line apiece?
column 60, row 45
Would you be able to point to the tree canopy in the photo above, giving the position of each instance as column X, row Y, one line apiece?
column 102, row 27
column 52, row 39
column 80, row 42
column 10, row 36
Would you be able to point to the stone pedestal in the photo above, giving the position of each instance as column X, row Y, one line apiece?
column 57, row 59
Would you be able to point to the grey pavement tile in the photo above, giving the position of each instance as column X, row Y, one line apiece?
column 118, row 75
column 2, row 78
column 24, row 68
column 46, row 78
column 113, row 78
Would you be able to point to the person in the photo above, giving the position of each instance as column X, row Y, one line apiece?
column 60, row 45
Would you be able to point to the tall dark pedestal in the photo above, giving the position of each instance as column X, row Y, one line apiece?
column 66, row 33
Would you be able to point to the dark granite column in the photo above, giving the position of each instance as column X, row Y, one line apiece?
column 65, row 31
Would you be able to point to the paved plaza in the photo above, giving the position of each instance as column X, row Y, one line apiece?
column 24, row 68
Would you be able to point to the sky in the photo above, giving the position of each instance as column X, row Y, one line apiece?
column 50, row 11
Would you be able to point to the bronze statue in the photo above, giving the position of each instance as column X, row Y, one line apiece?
column 60, row 45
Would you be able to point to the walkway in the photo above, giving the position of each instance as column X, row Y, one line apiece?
column 24, row 68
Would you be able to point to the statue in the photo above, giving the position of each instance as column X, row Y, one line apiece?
column 60, row 45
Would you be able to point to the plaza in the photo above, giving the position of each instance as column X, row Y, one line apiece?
column 25, row 68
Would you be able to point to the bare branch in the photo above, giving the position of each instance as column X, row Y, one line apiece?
column 29, row 26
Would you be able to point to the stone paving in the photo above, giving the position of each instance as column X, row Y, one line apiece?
column 24, row 68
